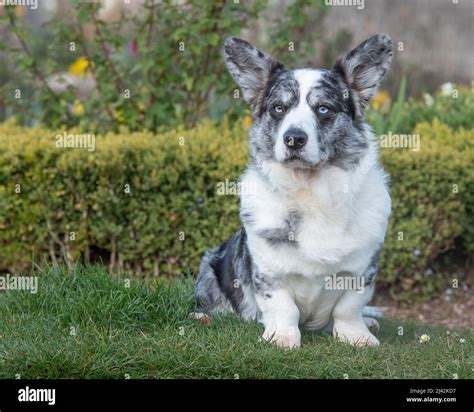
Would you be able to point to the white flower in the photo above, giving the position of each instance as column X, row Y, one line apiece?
column 462, row 340
column 428, row 99
column 447, row 89
column 424, row 338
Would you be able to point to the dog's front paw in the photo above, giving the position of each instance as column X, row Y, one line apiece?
column 355, row 336
column 203, row 318
column 291, row 339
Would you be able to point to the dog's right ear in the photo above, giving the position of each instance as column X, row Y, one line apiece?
column 250, row 68
column 364, row 67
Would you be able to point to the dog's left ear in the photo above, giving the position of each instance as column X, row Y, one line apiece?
column 250, row 68
column 364, row 67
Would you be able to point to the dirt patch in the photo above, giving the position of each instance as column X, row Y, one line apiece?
column 451, row 311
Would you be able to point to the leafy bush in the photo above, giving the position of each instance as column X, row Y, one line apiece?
column 452, row 104
column 382, row 115
column 158, row 68
column 297, row 29
column 432, row 211
column 149, row 203
column 128, row 203
column 151, row 69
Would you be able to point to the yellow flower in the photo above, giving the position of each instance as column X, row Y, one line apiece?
column 118, row 114
column 381, row 101
column 20, row 11
column 247, row 122
column 78, row 108
column 78, row 68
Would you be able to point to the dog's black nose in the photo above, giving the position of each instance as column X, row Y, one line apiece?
column 295, row 139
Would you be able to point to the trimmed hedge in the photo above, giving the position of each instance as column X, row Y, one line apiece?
column 171, row 182
column 149, row 203
column 432, row 212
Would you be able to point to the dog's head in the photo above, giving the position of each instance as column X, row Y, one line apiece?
column 306, row 118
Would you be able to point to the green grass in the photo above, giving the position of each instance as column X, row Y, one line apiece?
column 144, row 331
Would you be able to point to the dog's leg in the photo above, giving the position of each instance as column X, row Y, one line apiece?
column 208, row 293
column 280, row 316
column 349, row 324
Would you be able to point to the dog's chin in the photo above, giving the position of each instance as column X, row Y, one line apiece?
column 298, row 162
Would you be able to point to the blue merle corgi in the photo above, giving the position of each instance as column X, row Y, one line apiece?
column 319, row 203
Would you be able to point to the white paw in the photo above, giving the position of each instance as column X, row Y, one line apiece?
column 289, row 340
column 356, row 336
column 201, row 317
column 372, row 324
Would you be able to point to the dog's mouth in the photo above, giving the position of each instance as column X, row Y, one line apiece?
column 296, row 161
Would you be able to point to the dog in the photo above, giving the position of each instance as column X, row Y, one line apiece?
column 317, row 213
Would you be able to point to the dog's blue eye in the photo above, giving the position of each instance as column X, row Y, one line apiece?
column 323, row 109
column 278, row 108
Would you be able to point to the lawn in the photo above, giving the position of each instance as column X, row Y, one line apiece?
column 87, row 324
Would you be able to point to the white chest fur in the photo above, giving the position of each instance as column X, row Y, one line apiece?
column 342, row 221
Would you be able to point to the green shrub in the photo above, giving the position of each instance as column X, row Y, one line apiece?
column 75, row 205
column 453, row 107
column 158, row 68
column 432, row 211
column 387, row 118
column 155, row 68
column 74, row 194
